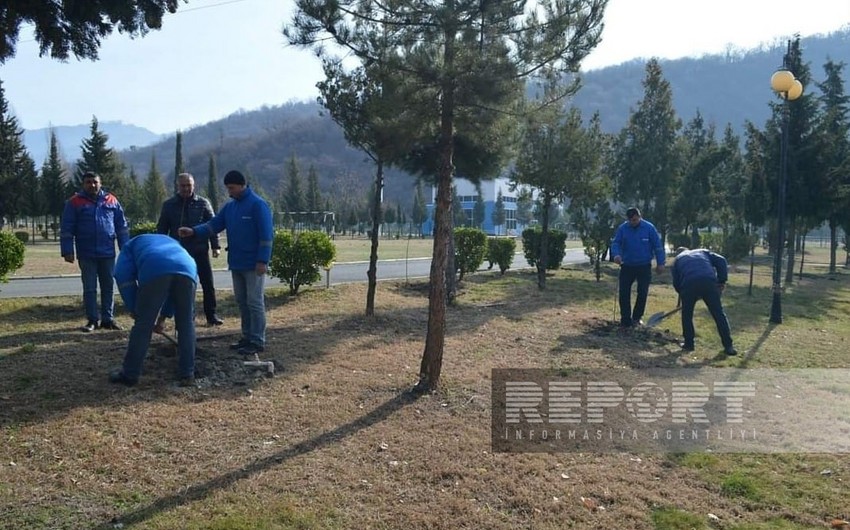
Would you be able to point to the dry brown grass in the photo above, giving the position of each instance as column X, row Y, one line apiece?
column 335, row 440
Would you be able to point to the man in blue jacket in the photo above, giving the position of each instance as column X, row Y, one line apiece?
column 248, row 221
column 635, row 243
column 153, row 270
column 701, row 275
column 93, row 221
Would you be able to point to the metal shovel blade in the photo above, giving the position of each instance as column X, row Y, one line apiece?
column 653, row 320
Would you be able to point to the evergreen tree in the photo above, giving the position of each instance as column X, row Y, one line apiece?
column 479, row 210
column 420, row 212
column 133, row 199
column 11, row 158
column 154, row 192
column 459, row 67
column 524, row 206
column 32, row 196
column 692, row 206
column 54, row 186
column 459, row 218
column 98, row 157
column 65, row 28
column 499, row 216
column 834, row 131
column 314, row 196
column 179, row 167
column 292, row 198
column 648, row 159
column 212, row 183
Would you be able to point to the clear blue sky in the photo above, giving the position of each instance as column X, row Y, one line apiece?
column 214, row 57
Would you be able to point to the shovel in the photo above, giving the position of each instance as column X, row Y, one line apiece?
column 653, row 320
column 171, row 339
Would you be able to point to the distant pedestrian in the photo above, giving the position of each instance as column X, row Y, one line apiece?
column 701, row 275
column 187, row 208
column 248, row 221
column 154, row 273
column 635, row 243
column 93, row 221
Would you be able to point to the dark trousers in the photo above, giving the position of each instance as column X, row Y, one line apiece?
column 205, row 276
column 708, row 291
column 628, row 275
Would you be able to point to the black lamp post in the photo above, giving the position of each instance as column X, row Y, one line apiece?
column 788, row 88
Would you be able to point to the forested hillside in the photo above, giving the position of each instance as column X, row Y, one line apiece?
column 730, row 88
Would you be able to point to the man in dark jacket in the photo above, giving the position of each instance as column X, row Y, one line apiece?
column 635, row 243
column 187, row 208
column 701, row 275
column 153, row 270
column 93, row 221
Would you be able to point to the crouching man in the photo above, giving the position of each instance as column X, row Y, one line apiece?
column 154, row 270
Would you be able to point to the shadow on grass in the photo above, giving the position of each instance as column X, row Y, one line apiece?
column 203, row 490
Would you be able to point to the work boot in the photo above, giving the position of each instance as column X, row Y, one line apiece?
column 118, row 377
column 90, row 326
column 686, row 346
column 250, row 349
column 239, row 345
column 111, row 324
column 730, row 350
column 214, row 321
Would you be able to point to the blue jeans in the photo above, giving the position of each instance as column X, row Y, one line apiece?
column 248, row 289
column 628, row 275
column 92, row 272
column 151, row 296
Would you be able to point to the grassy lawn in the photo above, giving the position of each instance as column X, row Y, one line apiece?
column 43, row 258
column 335, row 441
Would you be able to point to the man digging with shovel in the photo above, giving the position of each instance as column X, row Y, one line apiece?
column 701, row 275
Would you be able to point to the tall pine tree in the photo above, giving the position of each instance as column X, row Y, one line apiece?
column 53, row 183
column 154, row 192
column 212, row 183
column 98, row 157
column 178, row 158
column 314, row 196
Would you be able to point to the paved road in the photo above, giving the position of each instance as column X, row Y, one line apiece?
column 69, row 285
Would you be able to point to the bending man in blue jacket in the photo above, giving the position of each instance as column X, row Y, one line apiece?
column 701, row 275
column 635, row 243
column 248, row 220
column 153, row 270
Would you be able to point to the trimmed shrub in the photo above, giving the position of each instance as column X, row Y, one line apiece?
column 501, row 250
column 148, row 227
column 557, row 247
column 470, row 249
column 23, row 236
column 712, row 241
column 296, row 259
column 11, row 254
column 679, row 240
column 736, row 246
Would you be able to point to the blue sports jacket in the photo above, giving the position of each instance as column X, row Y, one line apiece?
column 149, row 256
column 637, row 245
column 248, row 221
column 698, row 264
column 94, row 224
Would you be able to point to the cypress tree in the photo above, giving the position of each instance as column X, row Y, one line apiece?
column 212, row 183
column 53, row 175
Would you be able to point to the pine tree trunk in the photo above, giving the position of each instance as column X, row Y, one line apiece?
column 833, row 245
column 543, row 251
column 432, row 357
column 789, row 264
column 372, row 274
